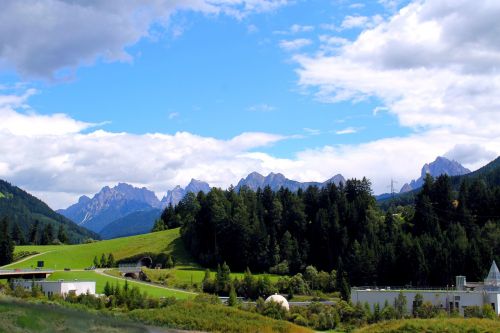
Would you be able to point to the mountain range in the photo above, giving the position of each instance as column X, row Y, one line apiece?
column 441, row 166
column 120, row 210
column 126, row 210
column 23, row 209
column 276, row 180
column 173, row 197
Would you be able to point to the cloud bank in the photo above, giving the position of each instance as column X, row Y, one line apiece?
column 39, row 38
column 434, row 65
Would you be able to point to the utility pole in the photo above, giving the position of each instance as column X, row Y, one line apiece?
column 393, row 191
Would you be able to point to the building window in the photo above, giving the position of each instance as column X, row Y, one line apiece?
column 457, row 298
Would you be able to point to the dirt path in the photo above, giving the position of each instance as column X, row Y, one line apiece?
column 101, row 272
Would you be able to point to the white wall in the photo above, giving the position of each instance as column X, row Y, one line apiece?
column 60, row 287
column 439, row 298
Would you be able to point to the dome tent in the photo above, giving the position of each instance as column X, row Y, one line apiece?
column 279, row 299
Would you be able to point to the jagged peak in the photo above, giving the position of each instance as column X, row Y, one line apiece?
column 84, row 199
column 254, row 174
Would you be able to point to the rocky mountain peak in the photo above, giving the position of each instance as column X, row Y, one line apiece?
column 440, row 166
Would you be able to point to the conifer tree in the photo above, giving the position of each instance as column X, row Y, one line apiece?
column 111, row 261
column 6, row 243
column 233, row 298
column 34, row 233
column 17, row 235
column 61, row 235
column 103, row 262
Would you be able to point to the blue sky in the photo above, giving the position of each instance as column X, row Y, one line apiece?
column 220, row 77
column 307, row 88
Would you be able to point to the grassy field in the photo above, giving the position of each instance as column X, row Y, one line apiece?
column 213, row 318
column 82, row 255
column 22, row 317
column 184, row 275
column 436, row 325
column 102, row 279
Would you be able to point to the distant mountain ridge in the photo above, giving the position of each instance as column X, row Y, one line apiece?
column 126, row 210
column 110, row 204
column 174, row 196
column 125, row 203
column 277, row 180
column 441, row 166
column 23, row 209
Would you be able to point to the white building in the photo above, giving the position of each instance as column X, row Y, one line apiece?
column 459, row 297
column 61, row 287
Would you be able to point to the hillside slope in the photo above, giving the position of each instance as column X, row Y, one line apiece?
column 136, row 223
column 81, row 255
column 24, row 209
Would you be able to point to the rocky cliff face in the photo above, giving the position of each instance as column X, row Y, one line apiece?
column 110, row 204
column 276, row 180
column 441, row 166
column 174, row 196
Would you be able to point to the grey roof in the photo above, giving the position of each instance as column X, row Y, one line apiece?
column 493, row 278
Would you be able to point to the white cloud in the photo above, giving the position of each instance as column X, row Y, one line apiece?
column 50, row 155
column 434, row 64
column 350, row 22
column 60, row 165
column 38, row 38
column 297, row 28
column 312, row 131
column 470, row 153
column 357, row 5
column 294, row 44
column 348, row 130
column 358, row 21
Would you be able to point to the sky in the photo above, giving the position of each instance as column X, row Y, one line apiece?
column 157, row 92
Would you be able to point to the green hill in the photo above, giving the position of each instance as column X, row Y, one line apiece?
column 436, row 325
column 162, row 243
column 489, row 174
column 82, row 255
column 23, row 209
column 20, row 316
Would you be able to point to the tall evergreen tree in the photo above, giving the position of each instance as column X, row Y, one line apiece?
column 6, row 243
column 47, row 235
column 61, row 235
column 17, row 235
column 34, row 233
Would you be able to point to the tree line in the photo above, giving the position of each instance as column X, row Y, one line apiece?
column 10, row 236
column 443, row 234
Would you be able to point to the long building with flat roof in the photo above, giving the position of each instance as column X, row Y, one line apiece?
column 458, row 298
column 61, row 287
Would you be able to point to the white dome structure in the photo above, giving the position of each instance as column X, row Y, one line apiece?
column 280, row 300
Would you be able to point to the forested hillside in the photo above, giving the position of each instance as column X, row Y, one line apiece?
column 29, row 218
column 443, row 234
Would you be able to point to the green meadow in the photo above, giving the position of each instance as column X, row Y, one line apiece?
column 22, row 317
column 102, row 279
column 82, row 255
column 78, row 257
column 436, row 325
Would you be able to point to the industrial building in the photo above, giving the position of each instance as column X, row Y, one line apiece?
column 61, row 287
column 455, row 298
